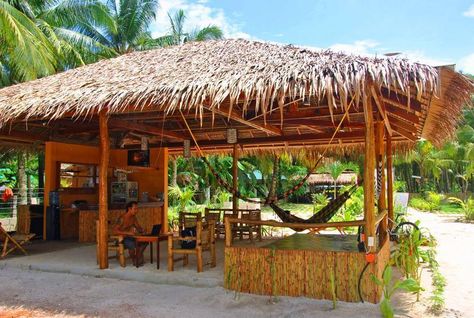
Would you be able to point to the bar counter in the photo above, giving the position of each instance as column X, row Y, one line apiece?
column 148, row 214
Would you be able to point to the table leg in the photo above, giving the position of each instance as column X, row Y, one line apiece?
column 151, row 252
column 158, row 254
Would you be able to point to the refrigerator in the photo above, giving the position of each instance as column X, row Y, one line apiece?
column 123, row 192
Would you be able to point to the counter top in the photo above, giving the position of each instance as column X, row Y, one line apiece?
column 119, row 206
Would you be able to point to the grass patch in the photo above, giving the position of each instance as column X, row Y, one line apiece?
column 450, row 208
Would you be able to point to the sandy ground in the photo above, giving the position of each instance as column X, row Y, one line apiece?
column 40, row 294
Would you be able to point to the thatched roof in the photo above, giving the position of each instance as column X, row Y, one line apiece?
column 326, row 178
column 275, row 95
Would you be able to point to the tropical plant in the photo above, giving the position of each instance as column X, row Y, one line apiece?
column 467, row 206
column 336, row 168
column 320, row 200
column 389, row 288
column 419, row 204
column 434, row 200
column 178, row 35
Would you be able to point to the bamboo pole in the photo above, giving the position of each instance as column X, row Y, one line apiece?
column 391, row 217
column 382, row 200
column 295, row 225
column 103, row 206
column 369, row 167
column 235, row 181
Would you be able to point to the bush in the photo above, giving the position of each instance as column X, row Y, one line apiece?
column 434, row 200
column 419, row 204
column 467, row 206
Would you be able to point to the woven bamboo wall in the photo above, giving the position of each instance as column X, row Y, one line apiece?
column 302, row 273
column 147, row 216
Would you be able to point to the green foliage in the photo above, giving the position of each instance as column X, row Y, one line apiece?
column 467, row 206
column 399, row 186
column 320, row 200
column 389, row 288
column 419, row 204
column 434, row 200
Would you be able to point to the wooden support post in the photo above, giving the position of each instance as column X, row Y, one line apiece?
column 382, row 200
column 228, row 232
column 235, row 180
column 369, row 175
column 103, row 206
column 391, row 217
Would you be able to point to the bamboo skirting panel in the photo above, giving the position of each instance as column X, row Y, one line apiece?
column 147, row 216
column 303, row 273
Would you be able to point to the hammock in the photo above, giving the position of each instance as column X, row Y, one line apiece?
column 322, row 216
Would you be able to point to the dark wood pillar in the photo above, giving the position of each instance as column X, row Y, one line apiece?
column 369, row 175
column 103, row 197
column 235, row 180
column 391, row 217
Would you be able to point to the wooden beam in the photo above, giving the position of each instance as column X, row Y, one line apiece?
column 403, row 124
column 144, row 128
column 408, row 135
column 381, row 108
column 235, row 181
column 400, row 99
column 103, row 197
column 224, row 110
column 369, row 176
column 391, row 217
column 403, row 113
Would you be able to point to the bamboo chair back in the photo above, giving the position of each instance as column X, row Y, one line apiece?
column 114, row 244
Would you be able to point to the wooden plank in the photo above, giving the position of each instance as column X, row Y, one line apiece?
column 225, row 110
column 103, row 197
column 144, row 128
column 403, row 113
column 408, row 135
column 369, row 177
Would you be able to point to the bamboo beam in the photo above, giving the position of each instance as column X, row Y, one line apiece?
column 257, row 124
column 381, row 108
column 380, row 151
column 298, row 225
column 103, row 206
column 144, row 128
column 235, row 181
column 369, row 177
column 390, row 182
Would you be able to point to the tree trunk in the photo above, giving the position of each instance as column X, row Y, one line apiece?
column 174, row 179
column 22, row 187
column 273, row 184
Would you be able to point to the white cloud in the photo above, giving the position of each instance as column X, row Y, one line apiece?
column 466, row 64
column 469, row 12
column 198, row 15
column 361, row 47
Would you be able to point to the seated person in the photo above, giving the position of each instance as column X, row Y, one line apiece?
column 128, row 226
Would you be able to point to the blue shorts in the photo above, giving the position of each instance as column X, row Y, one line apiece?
column 129, row 243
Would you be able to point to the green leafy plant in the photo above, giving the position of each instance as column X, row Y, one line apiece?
column 389, row 288
column 467, row 206
column 320, row 200
column 434, row 200
column 407, row 255
column 419, row 204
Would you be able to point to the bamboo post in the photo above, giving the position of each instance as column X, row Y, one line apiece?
column 382, row 200
column 228, row 232
column 391, row 217
column 369, row 167
column 235, row 187
column 103, row 206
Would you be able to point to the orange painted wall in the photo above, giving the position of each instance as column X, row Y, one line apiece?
column 152, row 179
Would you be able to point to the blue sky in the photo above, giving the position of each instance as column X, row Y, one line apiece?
column 434, row 32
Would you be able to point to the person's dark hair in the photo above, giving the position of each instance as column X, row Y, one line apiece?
column 130, row 204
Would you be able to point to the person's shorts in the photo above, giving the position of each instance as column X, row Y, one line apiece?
column 129, row 243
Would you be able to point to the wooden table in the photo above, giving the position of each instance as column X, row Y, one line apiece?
column 153, row 239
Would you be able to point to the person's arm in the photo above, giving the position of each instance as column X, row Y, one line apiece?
column 138, row 226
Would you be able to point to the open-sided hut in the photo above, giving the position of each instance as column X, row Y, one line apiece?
column 279, row 98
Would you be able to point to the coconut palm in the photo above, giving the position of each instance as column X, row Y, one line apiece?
column 336, row 168
column 125, row 27
column 178, row 36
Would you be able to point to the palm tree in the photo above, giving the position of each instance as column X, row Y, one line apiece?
column 336, row 168
column 25, row 51
column 178, row 35
column 125, row 26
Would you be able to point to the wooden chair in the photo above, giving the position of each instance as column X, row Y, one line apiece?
column 12, row 242
column 250, row 229
column 188, row 219
column 114, row 244
column 205, row 241
column 216, row 216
